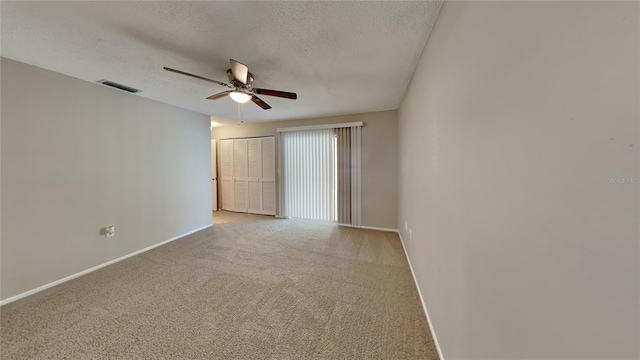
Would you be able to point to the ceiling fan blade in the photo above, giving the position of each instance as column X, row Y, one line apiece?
column 260, row 103
column 239, row 71
column 282, row 94
column 196, row 76
column 219, row 95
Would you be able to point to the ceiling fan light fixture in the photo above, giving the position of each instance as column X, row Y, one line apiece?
column 240, row 97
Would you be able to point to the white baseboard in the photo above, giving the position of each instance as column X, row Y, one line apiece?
column 369, row 227
column 84, row 272
column 433, row 333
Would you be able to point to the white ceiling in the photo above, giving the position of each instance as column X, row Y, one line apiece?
column 339, row 57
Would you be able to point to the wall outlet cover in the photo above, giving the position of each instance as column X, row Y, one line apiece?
column 110, row 231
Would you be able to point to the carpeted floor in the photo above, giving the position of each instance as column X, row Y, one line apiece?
column 251, row 287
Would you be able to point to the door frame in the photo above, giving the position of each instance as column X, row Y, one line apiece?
column 214, row 176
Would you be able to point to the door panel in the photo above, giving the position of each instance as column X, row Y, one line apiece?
column 254, row 205
column 268, row 179
column 226, row 174
column 240, row 175
column 227, row 195
column 268, row 159
column 254, row 158
column 254, row 168
column 240, row 195
column 239, row 159
column 269, row 197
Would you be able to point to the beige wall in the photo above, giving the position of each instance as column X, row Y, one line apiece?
column 76, row 157
column 379, row 159
column 516, row 118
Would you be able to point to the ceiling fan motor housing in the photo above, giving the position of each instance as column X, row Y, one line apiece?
column 237, row 83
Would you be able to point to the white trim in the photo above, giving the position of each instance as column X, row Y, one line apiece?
column 424, row 306
column 84, row 272
column 320, row 127
column 369, row 227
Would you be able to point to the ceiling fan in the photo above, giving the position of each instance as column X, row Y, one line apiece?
column 241, row 84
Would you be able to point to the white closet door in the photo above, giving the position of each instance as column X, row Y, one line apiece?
column 268, row 178
column 254, row 173
column 240, row 175
column 248, row 174
column 226, row 174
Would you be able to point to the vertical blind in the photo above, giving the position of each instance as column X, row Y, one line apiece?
column 309, row 174
column 349, row 175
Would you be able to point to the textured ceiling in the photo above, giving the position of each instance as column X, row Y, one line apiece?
column 340, row 57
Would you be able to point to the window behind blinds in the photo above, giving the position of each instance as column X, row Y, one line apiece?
column 309, row 174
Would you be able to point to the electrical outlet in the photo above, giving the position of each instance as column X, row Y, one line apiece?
column 110, row 231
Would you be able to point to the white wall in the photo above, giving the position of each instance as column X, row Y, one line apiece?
column 76, row 157
column 517, row 116
column 379, row 158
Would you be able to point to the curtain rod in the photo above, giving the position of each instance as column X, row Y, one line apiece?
column 319, row 127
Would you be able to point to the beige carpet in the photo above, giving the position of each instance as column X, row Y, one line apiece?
column 251, row 287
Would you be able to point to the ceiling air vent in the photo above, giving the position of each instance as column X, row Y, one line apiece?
column 118, row 86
